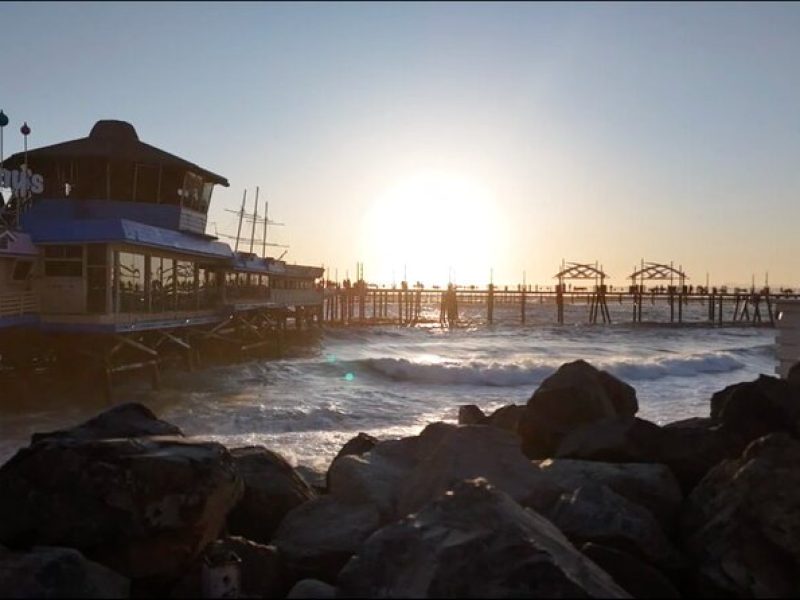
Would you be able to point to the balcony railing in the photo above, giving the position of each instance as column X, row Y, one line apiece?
column 19, row 303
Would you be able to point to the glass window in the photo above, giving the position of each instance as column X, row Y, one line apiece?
column 63, row 261
column 22, row 270
column 131, row 268
column 184, row 278
column 162, row 284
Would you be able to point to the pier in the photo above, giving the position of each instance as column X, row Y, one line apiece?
column 362, row 303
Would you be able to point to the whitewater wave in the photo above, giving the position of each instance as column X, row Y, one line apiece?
column 528, row 373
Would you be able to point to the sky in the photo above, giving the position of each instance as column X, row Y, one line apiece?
column 450, row 141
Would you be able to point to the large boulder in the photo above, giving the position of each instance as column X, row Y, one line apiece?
column 741, row 523
column 145, row 507
column 469, row 414
column 317, row 538
column 357, row 446
column 379, row 476
column 126, row 420
column 650, row 485
column 576, row 394
column 756, row 408
column 311, row 588
column 594, row 513
column 635, row 576
column 506, row 417
column 260, row 569
column 613, row 439
column 474, row 451
column 271, row 489
column 50, row 572
column 473, row 542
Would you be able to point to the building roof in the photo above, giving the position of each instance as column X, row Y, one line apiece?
column 116, row 140
column 16, row 243
column 93, row 231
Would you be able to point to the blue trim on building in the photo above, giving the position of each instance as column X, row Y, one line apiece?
column 18, row 321
column 89, row 231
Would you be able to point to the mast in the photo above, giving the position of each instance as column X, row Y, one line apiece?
column 255, row 219
column 266, row 221
column 241, row 216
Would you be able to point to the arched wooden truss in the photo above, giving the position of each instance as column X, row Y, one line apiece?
column 580, row 271
column 657, row 272
column 597, row 305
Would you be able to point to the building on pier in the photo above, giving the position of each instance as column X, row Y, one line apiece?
column 116, row 248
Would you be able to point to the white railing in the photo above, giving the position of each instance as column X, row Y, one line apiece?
column 20, row 303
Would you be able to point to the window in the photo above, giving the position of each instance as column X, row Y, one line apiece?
column 162, row 284
column 184, row 278
column 131, row 269
column 63, row 261
column 22, row 270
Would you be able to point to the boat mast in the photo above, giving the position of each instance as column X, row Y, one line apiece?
column 241, row 216
column 255, row 219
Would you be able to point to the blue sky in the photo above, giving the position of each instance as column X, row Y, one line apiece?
column 608, row 132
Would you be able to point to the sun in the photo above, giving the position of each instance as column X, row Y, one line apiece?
column 434, row 228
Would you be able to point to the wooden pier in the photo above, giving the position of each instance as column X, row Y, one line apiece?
column 361, row 303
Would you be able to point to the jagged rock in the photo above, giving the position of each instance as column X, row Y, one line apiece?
column 379, row 476
column 692, row 447
column 260, row 570
column 469, row 414
column 125, row 420
column 613, row 439
column 576, row 394
column 361, row 444
column 312, row 588
column 143, row 507
column 507, row 417
column 473, row 542
column 317, row 538
column 650, row 485
column 313, row 477
column 271, row 489
column 357, row 446
column 636, row 577
column 741, row 523
column 50, row 572
column 756, row 408
column 594, row 513
column 472, row 451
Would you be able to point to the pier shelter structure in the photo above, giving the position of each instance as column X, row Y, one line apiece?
column 597, row 298
column 126, row 275
column 651, row 271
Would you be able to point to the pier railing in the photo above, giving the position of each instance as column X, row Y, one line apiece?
column 20, row 303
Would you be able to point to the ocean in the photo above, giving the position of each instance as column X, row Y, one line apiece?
column 392, row 381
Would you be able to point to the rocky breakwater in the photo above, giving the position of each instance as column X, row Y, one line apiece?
column 571, row 495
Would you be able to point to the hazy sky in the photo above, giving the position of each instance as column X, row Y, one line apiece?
column 451, row 137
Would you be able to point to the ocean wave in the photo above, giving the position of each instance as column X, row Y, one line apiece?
column 478, row 373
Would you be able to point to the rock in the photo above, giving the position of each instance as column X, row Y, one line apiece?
column 361, row 444
column 312, row 588
column 469, row 414
column 473, row 542
column 271, row 490
column 379, row 476
column 741, row 523
column 594, row 513
column 50, row 572
column 507, row 417
column 317, row 538
column 613, row 439
column 260, row 571
column 145, row 507
column 793, row 376
column 638, row 578
column 692, row 447
column 357, row 446
column 756, row 408
column 125, row 420
column 313, row 477
column 472, row 451
column 650, row 485
column 576, row 394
